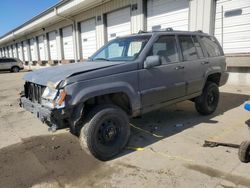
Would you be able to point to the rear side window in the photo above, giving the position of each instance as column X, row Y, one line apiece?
column 212, row 47
column 8, row 60
column 198, row 47
column 166, row 48
column 187, row 47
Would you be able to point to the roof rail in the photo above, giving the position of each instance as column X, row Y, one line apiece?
column 169, row 29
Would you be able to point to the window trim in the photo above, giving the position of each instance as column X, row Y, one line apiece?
column 188, row 35
column 177, row 47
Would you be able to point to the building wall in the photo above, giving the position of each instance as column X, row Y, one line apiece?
column 202, row 15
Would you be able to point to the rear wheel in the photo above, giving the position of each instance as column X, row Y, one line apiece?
column 207, row 102
column 15, row 69
column 106, row 133
column 244, row 152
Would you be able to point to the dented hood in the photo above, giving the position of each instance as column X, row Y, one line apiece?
column 52, row 76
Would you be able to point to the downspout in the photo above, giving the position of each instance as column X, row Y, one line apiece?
column 74, row 31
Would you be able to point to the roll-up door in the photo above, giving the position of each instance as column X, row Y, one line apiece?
column 232, row 25
column 119, row 23
column 68, row 49
column 33, row 51
column 162, row 14
column 25, row 50
column 14, row 50
column 88, row 38
column 20, row 51
column 10, row 51
column 41, row 48
column 6, row 52
column 53, row 46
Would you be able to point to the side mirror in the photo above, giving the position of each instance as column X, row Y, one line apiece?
column 152, row 61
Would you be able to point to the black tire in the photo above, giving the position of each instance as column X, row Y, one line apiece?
column 15, row 69
column 208, row 101
column 244, row 152
column 106, row 132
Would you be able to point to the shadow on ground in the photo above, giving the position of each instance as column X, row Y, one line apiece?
column 54, row 159
column 177, row 118
column 58, row 158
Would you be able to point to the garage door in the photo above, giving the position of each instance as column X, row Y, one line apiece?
column 119, row 23
column 25, row 50
column 67, row 36
column 52, row 46
column 88, row 38
column 6, row 52
column 232, row 25
column 33, row 51
column 10, row 51
column 20, row 51
column 41, row 48
column 14, row 50
column 167, row 13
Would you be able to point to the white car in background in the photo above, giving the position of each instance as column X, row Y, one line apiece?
column 11, row 64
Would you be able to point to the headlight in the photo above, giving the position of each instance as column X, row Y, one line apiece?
column 49, row 93
column 53, row 98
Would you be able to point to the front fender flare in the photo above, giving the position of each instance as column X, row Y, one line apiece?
column 108, row 88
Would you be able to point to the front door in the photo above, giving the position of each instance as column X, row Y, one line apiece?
column 164, row 82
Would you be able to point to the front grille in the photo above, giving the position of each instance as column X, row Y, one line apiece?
column 33, row 92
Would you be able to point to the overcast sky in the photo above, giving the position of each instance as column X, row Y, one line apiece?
column 15, row 12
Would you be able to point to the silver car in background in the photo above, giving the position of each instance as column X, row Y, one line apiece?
column 11, row 64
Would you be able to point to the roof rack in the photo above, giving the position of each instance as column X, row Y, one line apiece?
column 169, row 29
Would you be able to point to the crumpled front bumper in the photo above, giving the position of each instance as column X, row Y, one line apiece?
column 52, row 117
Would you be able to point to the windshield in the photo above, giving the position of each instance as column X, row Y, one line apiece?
column 122, row 49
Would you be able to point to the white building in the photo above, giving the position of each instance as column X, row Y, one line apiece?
column 73, row 29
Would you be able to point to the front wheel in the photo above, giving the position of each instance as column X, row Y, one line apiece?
column 207, row 102
column 106, row 133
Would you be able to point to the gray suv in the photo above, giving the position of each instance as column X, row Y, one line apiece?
column 126, row 78
column 11, row 64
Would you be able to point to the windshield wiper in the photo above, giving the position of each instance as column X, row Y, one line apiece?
column 104, row 59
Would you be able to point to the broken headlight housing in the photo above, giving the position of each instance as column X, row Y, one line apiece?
column 53, row 98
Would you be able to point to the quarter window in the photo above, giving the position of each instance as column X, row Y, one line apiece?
column 212, row 47
column 166, row 48
column 188, row 49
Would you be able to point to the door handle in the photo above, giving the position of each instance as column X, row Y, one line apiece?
column 205, row 62
column 179, row 67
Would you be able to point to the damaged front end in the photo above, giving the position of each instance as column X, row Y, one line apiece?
column 46, row 103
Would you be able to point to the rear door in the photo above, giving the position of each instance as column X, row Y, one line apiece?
column 195, row 63
column 6, row 63
column 165, row 82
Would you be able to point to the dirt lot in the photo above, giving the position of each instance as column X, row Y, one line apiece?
column 170, row 154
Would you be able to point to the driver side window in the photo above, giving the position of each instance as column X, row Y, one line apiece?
column 166, row 48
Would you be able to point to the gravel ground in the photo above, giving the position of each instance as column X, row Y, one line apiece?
column 165, row 148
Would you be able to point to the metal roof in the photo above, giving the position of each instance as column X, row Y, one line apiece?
column 50, row 9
